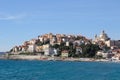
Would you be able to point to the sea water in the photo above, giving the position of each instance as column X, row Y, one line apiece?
column 58, row 70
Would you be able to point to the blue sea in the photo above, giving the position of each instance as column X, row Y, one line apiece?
column 58, row 70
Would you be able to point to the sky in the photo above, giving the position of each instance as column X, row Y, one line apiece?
column 22, row 20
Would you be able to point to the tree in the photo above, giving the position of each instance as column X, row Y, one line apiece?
column 90, row 50
column 56, row 46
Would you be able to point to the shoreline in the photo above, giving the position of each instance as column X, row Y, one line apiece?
column 48, row 58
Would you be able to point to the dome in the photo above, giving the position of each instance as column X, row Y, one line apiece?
column 103, row 36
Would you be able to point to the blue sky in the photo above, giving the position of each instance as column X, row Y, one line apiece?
column 22, row 20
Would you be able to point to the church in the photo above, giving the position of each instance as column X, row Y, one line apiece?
column 103, row 39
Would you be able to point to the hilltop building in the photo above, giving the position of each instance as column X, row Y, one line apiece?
column 103, row 39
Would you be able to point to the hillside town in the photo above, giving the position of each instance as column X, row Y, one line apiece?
column 75, row 46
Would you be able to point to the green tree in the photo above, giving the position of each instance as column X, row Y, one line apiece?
column 56, row 46
column 90, row 50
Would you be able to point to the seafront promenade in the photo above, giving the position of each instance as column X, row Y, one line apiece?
column 45, row 58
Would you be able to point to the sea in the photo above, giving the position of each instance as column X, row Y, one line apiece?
column 58, row 70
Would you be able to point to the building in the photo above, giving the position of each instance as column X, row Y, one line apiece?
column 103, row 40
column 78, row 50
column 39, row 49
column 15, row 49
column 55, row 51
column 78, row 42
column 103, row 54
column 102, row 37
column 47, row 50
column 40, row 38
column 24, row 48
column 116, row 53
column 65, row 54
column 32, row 41
column 67, row 43
column 53, row 40
column 31, row 48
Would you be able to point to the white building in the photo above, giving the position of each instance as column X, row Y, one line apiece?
column 102, row 37
column 67, row 43
column 31, row 48
column 47, row 50
column 55, row 51
column 41, row 38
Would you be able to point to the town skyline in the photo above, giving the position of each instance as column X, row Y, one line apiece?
column 23, row 20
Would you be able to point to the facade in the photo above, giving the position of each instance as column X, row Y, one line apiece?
column 47, row 50
column 65, row 54
column 102, row 37
column 78, row 50
column 39, row 49
column 31, row 48
column 55, row 51
column 15, row 49
column 78, row 42
column 40, row 38
column 67, row 43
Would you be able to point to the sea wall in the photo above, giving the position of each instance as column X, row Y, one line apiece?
column 24, row 57
column 41, row 57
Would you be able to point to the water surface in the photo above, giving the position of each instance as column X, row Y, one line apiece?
column 58, row 70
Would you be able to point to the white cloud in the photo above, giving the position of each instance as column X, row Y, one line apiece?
column 11, row 17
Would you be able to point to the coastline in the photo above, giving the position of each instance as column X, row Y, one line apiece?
column 48, row 58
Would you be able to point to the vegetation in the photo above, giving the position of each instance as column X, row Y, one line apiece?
column 56, row 46
column 89, row 50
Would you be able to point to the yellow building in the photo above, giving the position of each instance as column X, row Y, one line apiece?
column 65, row 54
column 39, row 48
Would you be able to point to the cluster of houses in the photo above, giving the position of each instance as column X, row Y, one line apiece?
column 44, row 42
column 109, row 48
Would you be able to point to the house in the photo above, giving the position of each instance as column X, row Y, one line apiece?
column 64, row 53
column 53, row 40
column 26, row 43
column 24, row 48
column 47, row 50
column 116, row 57
column 67, row 43
column 39, row 49
column 32, row 41
column 64, row 39
column 15, row 49
column 55, row 51
column 116, row 53
column 103, row 54
column 20, row 48
column 78, row 42
column 31, row 48
column 78, row 50
column 40, row 38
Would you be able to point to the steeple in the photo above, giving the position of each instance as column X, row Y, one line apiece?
column 95, row 36
column 103, row 32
